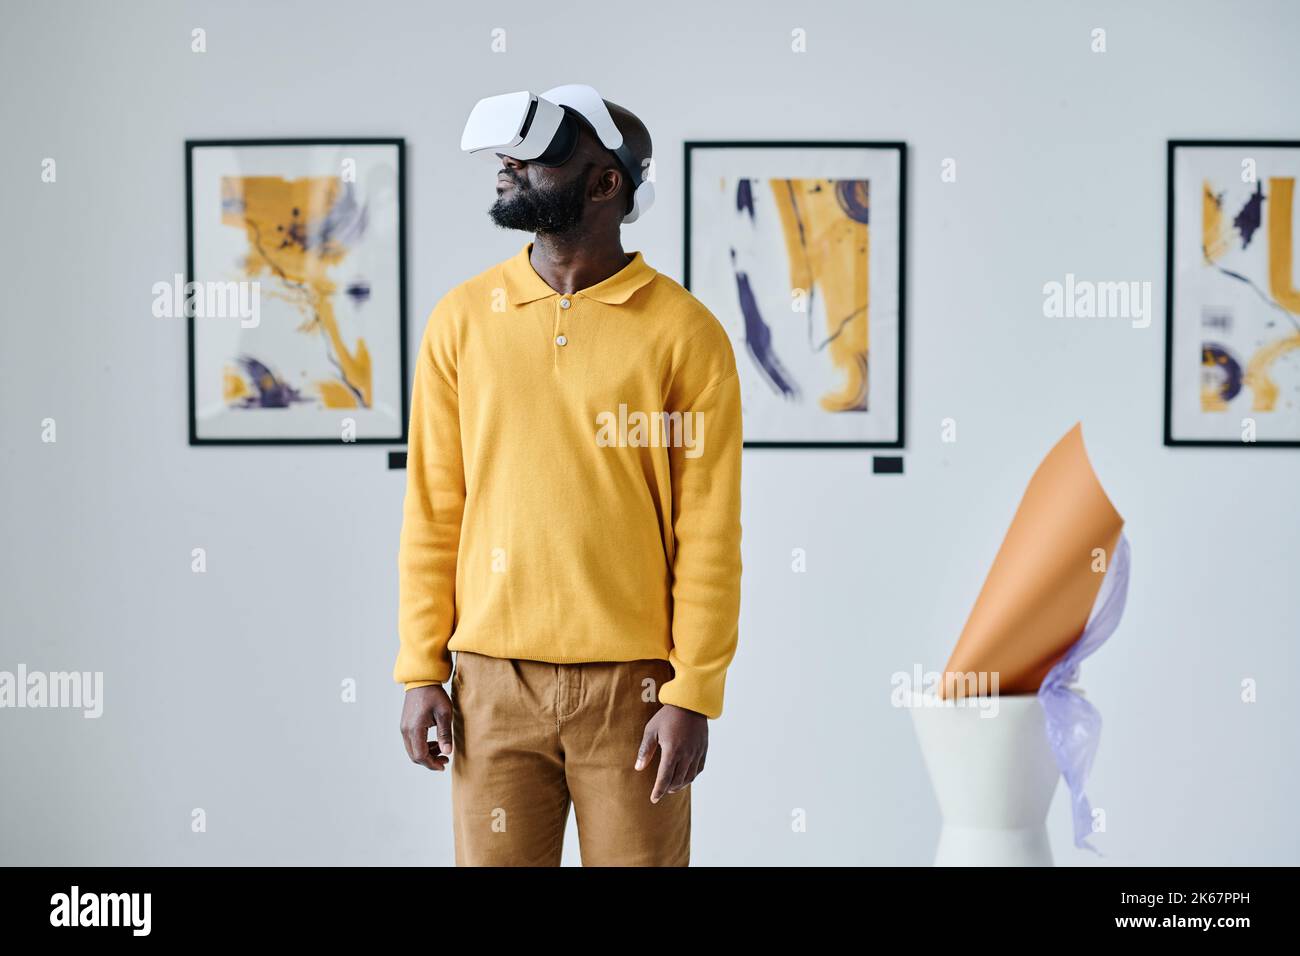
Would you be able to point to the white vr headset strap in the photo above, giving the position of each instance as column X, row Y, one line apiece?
column 589, row 103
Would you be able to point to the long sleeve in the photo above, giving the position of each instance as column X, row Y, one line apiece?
column 706, row 559
column 431, row 516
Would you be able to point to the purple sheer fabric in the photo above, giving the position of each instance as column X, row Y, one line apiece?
column 1073, row 724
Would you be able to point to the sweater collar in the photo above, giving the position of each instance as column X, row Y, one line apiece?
column 523, row 284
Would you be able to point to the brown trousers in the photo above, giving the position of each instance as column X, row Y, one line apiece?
column 529, row 737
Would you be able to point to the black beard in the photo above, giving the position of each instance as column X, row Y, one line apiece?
column 558, row 210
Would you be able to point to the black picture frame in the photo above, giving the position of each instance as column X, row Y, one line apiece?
column 901, row 147
column 1172, row 147
column 400, row 144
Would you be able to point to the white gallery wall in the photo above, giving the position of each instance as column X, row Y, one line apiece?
column 222, row 689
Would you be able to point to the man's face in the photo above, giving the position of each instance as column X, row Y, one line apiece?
column 541, row 199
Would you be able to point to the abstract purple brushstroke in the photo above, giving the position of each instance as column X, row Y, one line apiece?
column 758, row 336
column 1248, row 220
column 271, row 391
column 358, row 290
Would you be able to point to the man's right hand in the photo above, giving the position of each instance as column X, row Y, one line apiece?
column 427, row 707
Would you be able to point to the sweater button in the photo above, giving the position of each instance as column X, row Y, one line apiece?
column 564, row 303
column 561, row 340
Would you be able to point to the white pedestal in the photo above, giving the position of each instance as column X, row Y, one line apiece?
column 993, row 774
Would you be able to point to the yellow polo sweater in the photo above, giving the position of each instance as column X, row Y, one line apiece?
column 573, row 480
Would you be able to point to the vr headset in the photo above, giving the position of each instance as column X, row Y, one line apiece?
column 542, row 128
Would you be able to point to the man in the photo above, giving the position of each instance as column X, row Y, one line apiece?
column 571, row 525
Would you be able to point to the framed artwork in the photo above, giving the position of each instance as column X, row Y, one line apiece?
column 799, row 248
column 1232, row 295
column 295, row 293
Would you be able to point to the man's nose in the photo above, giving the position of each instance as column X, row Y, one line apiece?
column 510, row 162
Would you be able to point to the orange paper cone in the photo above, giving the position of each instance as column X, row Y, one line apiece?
column 1037, row 597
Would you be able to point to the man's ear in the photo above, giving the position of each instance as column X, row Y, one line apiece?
column 622, row 178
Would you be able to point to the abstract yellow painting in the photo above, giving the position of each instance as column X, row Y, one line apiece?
column 306, row 239
column 798, row 249
column 1233, row 311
